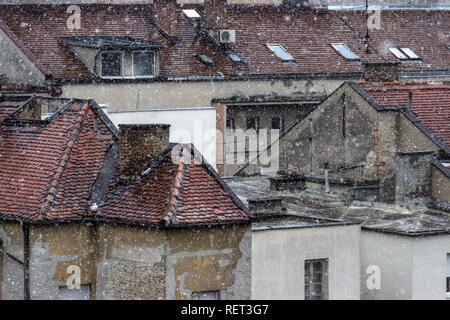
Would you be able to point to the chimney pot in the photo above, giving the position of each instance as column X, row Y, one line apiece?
column 139, row 144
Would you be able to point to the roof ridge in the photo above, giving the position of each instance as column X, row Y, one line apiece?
column 175, row 191
column 62, row 164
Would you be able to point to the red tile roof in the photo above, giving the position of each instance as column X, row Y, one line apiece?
column 173, row 194
column 429, row 103
column 306, row 36
column 49, row 168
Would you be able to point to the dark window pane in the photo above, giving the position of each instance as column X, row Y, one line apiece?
column 143, row 63
column 230, row 123
column 111, row 64
column 252, row 123
column 448, row 284
column 277, row 123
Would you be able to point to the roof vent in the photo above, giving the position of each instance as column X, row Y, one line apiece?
column 227, row 36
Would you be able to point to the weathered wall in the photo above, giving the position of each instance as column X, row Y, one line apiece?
column 124, row 262
column 440, row 185
column 173, row 264
column 53, row 250
column 413, row 178
column 159, row 95
column 16, row 65
column 278, row 261
column 12, row 273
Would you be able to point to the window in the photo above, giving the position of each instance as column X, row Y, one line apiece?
column 143, row 63
column 316, row 279
column 253, row 124
column 448, row 275
column 230, row 124
column 404, row 53
column 206, row 295
column 112, row 64
column 234, row 57
column 344, row 51
column 278, row 123
column 191, row 13
column 205, row 59
column 84, row 293
column 280, row 52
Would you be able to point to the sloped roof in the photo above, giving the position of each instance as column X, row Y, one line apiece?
column 306, row 35
column 430, row 104
column 50, row 171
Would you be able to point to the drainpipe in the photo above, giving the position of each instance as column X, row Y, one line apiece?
column 26, row 261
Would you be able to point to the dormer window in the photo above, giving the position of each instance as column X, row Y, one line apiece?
column 128, row 64
column 112, row 64
column 143, row 63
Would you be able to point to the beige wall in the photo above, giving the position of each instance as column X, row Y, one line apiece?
column 278, row 261
column 125, row 262
column 154, row 95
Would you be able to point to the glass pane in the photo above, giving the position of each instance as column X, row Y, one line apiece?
column 345, row 51
column 208, row 295
column 112, row 64
column 410, row 53
column 280, row 52
column 143, row 63
column 398, row 54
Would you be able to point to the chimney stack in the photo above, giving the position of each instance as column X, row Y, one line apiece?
column 139, row 144
column 381, row 71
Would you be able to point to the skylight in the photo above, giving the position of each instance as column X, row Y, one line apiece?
column 234, row 57
column 280, row 52
column 344, row 51
column 404, row 53
column 191, row 13
column 205, row 59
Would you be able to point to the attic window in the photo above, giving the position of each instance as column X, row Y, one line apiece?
column 205, row 59
column 280, row 52
column 344, row 51
column 191, row 13
column 234, row 57
column 143, row 63
column 112, row 64
column 404, row 53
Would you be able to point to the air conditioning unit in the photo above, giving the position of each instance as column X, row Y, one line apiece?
column 227, row 36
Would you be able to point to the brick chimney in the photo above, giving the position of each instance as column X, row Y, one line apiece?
column 165, row 14
column 139, row 144
column 381, row 72
column 215, row 14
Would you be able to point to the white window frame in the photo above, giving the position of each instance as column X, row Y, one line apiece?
column 121, row 66
column 324, row 282
column 274, row 52
column 334, row 45
column 132, row 64
column 403, row 55
column 409, row 53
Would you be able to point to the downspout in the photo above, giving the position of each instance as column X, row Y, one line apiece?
column 26, row 261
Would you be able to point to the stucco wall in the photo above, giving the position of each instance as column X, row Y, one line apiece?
column 411, row 268
column 16, row 65
column 278, row 261
column 124, row 262
column 155, row 95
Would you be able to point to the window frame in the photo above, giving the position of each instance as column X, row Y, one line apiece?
column 132, row 52
column 256, row 124
column 324, row 278
column 122, row 52
column 233, row 127
column 280, row 123
column 404, row 53
column 333, row 45
column 274, row 52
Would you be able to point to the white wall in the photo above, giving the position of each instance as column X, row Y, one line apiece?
column 411, row 267
column 278, row 258
column 188, row 125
